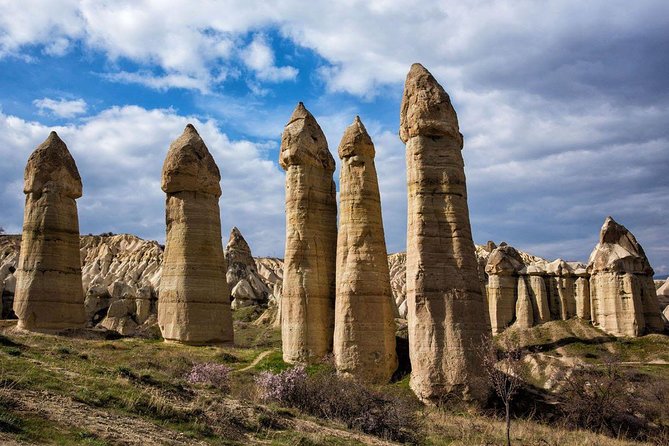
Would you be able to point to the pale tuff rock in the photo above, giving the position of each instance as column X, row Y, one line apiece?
column 582, row 293
column 561, row 276
column 503, row 266
column 538, row 293
column 49, row 291
column 194, row 303
column 364, row 330
column 524, row 310
column 307, row 302
column 9, row 259
column 247, row 287
column 623, row 296
column 398, row 282
column 444, row 297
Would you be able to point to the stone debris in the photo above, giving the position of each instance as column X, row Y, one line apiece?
column 49, row 291
column 364, row 330
column 194, row 303
column 308, row 295
column 446, row 306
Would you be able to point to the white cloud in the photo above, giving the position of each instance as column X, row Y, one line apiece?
column 119, row 153
column 259, row 57
column 62, row 108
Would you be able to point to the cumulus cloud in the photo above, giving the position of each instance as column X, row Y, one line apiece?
column 119, row 153
column 259, row 57
column 61, row 108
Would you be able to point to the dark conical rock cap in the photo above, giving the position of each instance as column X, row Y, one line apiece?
column 426, row 107
column 52, row 167
column 618, row 250
column 356, row 141
column 189, row 166
column 304, row 143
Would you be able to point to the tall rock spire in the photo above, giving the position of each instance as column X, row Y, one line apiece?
column 49, row 291
column 307, row 302
column 446, row 308
column 194, row 302
column 364, row 335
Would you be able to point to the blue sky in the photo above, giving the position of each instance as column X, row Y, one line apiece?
column 564, row 106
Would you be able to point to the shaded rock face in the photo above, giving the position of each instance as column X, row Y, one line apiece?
column 194, row 304
column 247, row 287
column 502, row 269
column 307, row 302
column 446, row 306
column 364, row 331
column 49, row 292
column 623, row 296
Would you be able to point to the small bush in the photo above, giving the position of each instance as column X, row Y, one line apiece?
column 326, row 395
column 210, row 373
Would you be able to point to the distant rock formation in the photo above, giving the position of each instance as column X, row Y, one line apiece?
column 49, row 292
column 247, row 287
column 446, row 307
column 194, row 305
column 364, row 331
column 307, row 302
column 502, row 268
column 623, row 296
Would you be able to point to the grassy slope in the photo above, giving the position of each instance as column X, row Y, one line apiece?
column 49, row 385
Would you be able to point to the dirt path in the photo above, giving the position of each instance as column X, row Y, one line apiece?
column 255, row 362
column 111, row 427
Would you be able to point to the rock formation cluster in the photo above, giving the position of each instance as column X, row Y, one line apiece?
column 307, row 303
column 246, row 285
column 49, row 293
column 194, row 305
column 364, row 331
column 446, row 306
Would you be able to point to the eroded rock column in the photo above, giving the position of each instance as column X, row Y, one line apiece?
column 364, row 335
column 49, row 291
column 194, row 300
column 502, row 269
column 445, row 300
column 308, row 296
column 623, row 296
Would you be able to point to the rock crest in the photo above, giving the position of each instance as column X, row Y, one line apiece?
column 49, row 292
column 194, row 302
column 364, row 333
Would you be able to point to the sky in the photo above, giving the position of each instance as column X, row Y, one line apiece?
column 564, row 107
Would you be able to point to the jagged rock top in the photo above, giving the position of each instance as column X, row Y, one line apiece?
column 356, row 141
column 618, row 251
column 237, row 250
column 504, row 260
column 189, row 166
column 303, row 142
column 51, row 167
column 426, row 107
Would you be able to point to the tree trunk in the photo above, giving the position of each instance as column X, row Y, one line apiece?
column 508, row 424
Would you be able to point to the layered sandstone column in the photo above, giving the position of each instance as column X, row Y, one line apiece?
column 502, row 269
column 623, row 296
column 538, row 293
column 582, row 293
column 444, row 298
column 49, row 292
column 194, row 301
column 307, row 302
column 524, row 310
column 364, row 334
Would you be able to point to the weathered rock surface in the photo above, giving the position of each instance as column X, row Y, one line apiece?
column 502, row 268
column 49, row 292
column 524, row 310
column 246, row 285
column 623, row 296
column 444, row 296
column 307, row 302
column 194, row 304
column 364, row 330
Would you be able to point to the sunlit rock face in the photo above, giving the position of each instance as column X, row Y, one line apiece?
column 308, row 295
column 49, row 291
column 194, row 302
column 447, row 314
column 623, row 296
column 364, row 335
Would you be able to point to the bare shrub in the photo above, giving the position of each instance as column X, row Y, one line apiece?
column 329, row 396
column 210, row 373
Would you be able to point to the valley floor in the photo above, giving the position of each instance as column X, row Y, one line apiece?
column 91, row 388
